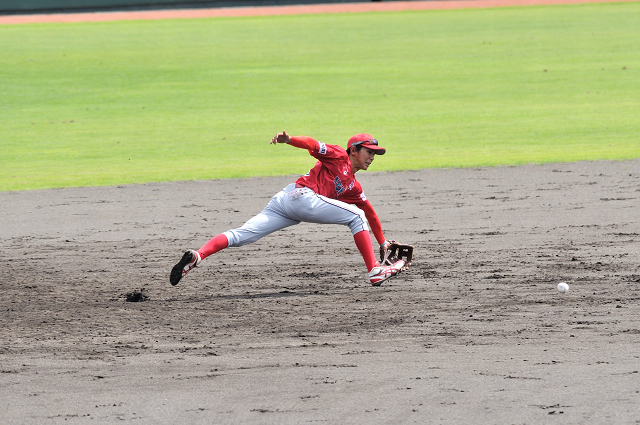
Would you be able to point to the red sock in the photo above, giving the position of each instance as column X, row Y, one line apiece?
column 217, row 243
column 363, row 242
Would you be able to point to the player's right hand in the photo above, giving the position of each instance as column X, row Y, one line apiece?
column 281, row 138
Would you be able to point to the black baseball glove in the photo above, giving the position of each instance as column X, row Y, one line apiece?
column 396, row 251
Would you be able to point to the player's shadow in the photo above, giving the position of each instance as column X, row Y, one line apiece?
column 280, row 294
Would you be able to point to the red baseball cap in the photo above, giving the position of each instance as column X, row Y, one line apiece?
column 367, row 140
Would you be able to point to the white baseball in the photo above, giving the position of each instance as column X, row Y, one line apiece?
column 563, row 287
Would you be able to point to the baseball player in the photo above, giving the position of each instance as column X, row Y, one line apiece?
column 329, row 193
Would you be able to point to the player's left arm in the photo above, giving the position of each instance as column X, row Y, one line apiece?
column 374, row 221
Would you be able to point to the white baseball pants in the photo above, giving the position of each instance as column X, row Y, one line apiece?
column 293, row 205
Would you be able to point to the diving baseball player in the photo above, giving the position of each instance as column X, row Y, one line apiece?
column 329, row 193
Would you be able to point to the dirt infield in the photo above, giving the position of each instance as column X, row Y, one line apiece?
column 285, row 10
column 287, row 330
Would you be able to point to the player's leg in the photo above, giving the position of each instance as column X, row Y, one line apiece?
column 311, row 207
column 268, row 221
column 306, row 205
column 261, row 225
column 377, row 273
column 215, row 244
column 363, row 242
column 271, row 219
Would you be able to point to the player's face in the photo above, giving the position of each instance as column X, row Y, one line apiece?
column 362, row 159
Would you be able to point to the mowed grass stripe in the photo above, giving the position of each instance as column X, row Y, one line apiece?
column 122, row 102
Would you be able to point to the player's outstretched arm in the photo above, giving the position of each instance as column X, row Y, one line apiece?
column 302, row 142
column 281, row 138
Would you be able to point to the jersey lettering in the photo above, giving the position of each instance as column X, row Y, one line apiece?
column 338, row 185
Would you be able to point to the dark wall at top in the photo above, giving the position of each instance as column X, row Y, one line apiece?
column 30, row 6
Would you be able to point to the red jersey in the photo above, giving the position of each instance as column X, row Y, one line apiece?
column 333, row 177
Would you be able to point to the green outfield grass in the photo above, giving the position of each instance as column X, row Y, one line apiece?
column 121, row 102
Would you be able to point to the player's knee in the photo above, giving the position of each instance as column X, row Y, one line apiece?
column 240, row 237
column 359, row 223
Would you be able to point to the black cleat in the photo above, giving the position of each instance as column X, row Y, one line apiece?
column 190, row 260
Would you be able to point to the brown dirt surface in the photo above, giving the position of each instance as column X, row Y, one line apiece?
column 284, row 10
column 287, row 330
